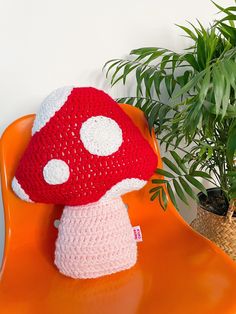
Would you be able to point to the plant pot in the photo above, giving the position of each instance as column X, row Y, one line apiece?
column 216, row 220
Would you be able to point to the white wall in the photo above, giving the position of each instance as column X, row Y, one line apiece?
column 46, row 44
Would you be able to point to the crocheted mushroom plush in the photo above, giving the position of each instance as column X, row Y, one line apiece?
column 85, row 152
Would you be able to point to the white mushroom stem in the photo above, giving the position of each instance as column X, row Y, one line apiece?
column 95, row 240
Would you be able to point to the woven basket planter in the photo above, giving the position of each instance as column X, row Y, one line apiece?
column 219, row 229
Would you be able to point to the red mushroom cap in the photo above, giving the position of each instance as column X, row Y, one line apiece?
column 84, row 147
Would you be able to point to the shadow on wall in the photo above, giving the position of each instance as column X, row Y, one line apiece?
column 188, row 212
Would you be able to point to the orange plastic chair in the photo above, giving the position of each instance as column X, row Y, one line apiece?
column 178, row 271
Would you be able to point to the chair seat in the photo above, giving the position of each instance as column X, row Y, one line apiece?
column 178, row 271
column 180, row 274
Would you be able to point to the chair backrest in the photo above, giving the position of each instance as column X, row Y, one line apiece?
column 33, row 224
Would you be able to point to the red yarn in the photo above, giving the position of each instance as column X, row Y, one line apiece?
column 91, row 176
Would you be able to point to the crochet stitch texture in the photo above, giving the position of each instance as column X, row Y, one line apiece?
column 95, row 240
column 85, row 152
column 117, row 150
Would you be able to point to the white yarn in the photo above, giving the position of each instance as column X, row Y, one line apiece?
column 19, row 191
column 123, row 187
column 56, row 171
column 51, row 104
column 101, row 135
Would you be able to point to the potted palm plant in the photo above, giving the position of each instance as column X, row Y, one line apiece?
column 190, row 100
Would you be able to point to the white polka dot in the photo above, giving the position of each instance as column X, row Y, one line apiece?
column 51, row 104
column 101, row 135
column 56, row 171
column 123, row 187
column 19, row 190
